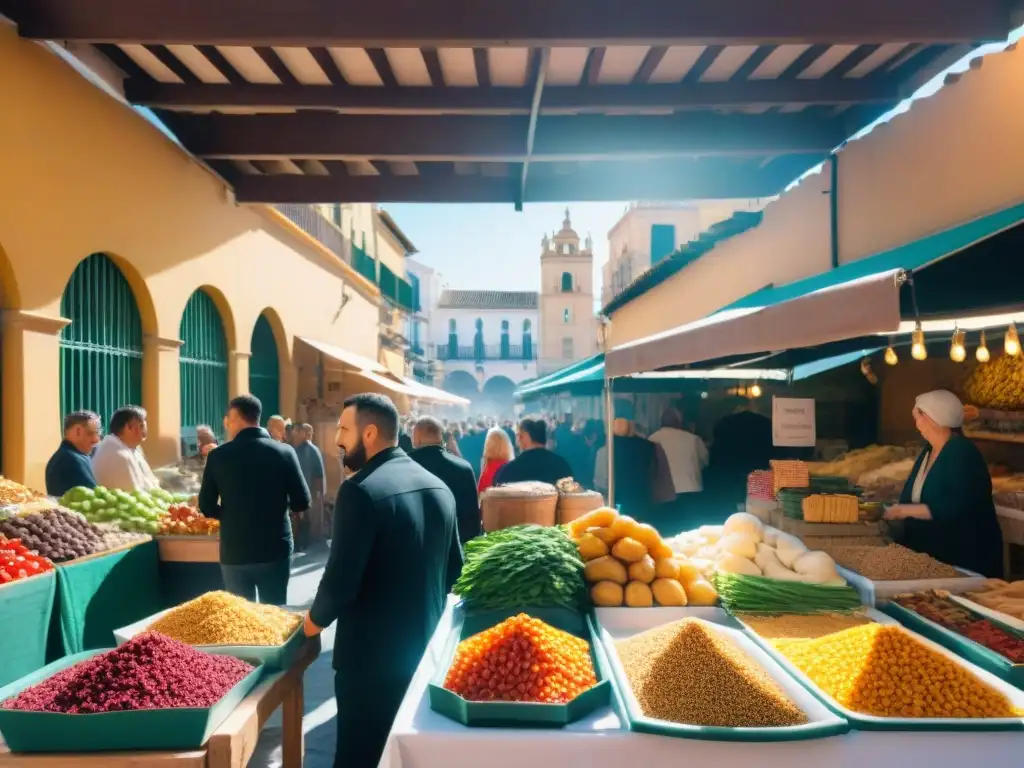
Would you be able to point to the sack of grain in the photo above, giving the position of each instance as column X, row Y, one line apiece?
column 517, row 504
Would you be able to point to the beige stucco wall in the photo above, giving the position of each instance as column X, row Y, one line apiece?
column 952, row 158
column 83, row 173
column 582, row 327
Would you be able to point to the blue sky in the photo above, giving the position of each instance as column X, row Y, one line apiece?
column 493, row 246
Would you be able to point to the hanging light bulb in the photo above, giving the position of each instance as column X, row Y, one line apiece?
column 890, row 355
column 982, row 353
column 1011, row 342
column 918, row 350
column 957, row 350
column 755, row 390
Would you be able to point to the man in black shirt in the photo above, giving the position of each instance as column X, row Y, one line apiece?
column 394, row 555
column 249, row 485
column 535, row 462
column 428, row 437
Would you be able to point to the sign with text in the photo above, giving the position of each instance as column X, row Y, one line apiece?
column 793, row 422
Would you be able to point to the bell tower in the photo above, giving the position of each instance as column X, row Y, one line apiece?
column 568, row 328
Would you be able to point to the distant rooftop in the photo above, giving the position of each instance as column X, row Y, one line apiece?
column 455, row 299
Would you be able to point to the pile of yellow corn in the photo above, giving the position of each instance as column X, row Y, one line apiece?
column 884, row 671
column 220, row 618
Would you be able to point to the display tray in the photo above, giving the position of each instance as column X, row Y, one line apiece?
column 103, row 553
column 613, row 624
column 512, row 714
column 874, row 592
column 986, row 658
column 272, row 657
column 863, row 722
column 989, row 613
column 148, row 729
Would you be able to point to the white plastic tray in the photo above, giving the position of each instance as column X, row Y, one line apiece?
column 621, row 623
column 1004, row 618
column 872, row 722
column 873, row 592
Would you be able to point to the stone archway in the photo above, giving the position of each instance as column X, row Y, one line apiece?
column 461, row 383
column 498, row 396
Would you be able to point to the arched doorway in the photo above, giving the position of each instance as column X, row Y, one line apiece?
column 101, row 349
column 265, row 368
column 461, row 383
column 498, row 395
column 203, row 364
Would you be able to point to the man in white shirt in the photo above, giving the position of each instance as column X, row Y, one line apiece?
column 118, row 461
column 686, row 452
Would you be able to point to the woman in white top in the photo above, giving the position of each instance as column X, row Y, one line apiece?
column 686, row 452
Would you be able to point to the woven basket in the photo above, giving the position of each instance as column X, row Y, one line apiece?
column 502, row 509
column 574, row 505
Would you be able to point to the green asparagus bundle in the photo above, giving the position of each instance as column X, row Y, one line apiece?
column 755, row 593
column 526, row 565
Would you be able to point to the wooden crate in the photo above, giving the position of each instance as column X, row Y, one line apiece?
column 189, row 549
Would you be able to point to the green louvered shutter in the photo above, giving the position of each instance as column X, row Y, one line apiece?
column 101, row 350
column 204, row 364
column 264, row 372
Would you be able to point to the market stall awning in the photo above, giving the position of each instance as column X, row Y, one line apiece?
column 552, row 378
column 433, row 394
column 861, row 298
column 350, row 359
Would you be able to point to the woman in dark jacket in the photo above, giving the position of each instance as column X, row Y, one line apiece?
column 947, row 501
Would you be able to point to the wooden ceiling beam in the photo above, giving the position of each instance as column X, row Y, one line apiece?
column 398, row 100
column 534, row 23
column 477, row 138
column 598, row 182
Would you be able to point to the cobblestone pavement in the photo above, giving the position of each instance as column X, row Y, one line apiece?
column 318, row 723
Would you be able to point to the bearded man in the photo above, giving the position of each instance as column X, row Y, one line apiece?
column 395, row 554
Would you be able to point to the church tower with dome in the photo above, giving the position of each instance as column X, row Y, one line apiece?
column 568, row 325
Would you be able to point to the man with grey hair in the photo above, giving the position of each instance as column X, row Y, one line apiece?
column 118, row 461
column 276, row 426
column 312, row 463
column 429, row 452
column 70, row 467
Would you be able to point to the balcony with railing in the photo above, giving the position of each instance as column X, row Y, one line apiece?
column 395, row 289
column 483, row 352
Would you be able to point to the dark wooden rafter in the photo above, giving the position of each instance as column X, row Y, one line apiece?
column 482, row 66
column 755, row 60
column 433, row 63
column 854, row 59
column 706, row 59
column 526, row 22
column 537, row 72
column 124, row 62
column 322, row 134
column 598, row 181
column 592, row 67
column 273, row 61
column 379, row 59
column 803, row 61
column 650, row 63
column 173, row 63
column 225, row 67
column 144, row 91
column 326, row 62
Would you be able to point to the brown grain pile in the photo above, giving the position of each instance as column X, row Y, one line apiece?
column 793, row 626
column 892, row 563
column 686, row 672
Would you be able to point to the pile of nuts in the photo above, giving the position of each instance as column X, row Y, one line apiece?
column 892, row 563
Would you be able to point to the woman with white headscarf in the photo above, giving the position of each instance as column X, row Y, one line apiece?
column 947, row 501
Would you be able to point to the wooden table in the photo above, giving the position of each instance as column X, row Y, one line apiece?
column 230, row 746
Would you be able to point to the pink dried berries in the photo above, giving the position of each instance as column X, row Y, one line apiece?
column 151, row 671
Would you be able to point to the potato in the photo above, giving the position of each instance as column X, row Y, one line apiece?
column 668, row 592
column 605, row 568
column 642, row 570
column 688, row 572
column 638, row 595
column 661, row 550
column 607, row 535
column 623, row 525
column 606, row 594
column 629, row 550
column 666, row 568
column 700, row 592
column 591, row 547
column 596, row 518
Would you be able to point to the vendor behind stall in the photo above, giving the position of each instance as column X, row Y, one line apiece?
column 70, row 466
column 947, row 501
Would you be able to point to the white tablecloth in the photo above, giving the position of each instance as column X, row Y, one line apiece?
column 420, row 738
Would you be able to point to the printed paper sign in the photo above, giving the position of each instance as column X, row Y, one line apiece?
column 793, row 422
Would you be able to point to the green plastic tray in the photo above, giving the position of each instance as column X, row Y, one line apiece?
column 271, row 657
column 860, row 721
column 986, row 658
column 822, row 721
column 511, row 714
column 148, row 729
